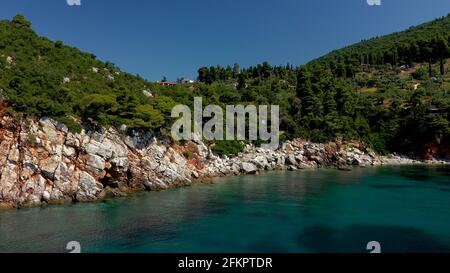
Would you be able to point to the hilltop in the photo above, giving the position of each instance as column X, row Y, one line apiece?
column 422, row 43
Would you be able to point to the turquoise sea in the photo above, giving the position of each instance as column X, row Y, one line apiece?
column 405, row 209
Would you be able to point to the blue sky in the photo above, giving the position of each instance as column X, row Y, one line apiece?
column 173, row 38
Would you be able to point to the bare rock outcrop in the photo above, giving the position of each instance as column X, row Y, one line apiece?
column 41, row 162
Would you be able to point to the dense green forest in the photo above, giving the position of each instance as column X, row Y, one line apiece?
column 391, row 92
column 44, row 78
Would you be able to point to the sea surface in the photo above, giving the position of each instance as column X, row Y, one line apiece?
column 404, row 208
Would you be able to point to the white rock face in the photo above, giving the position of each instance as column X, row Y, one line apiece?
column 291, row 160
column 248, row 168
column 9, row 60
column 147, row 93
column 61, row 166
column 88, row 187
column 96, row 162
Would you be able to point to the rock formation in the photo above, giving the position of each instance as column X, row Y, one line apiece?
column 41, row 162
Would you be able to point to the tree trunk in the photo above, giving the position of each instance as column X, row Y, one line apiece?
column 442, row 66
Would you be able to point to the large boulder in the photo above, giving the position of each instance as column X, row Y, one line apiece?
column 260, row 162
column 95, row 162
column 291, row 160
column 88, row 188
column 248, row 168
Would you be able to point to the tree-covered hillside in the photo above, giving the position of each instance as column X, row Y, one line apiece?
column 39, row 77
column 427, row 43
column 391, row 92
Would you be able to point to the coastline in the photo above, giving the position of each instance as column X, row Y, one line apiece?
column 42, row 163
column 108, row 194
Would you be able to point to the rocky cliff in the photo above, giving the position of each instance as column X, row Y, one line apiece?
column 41, row 162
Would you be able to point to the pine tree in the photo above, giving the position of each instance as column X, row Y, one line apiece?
column 344, row 98
column 236, row 70
column 305, row 91
column 441, row 51
column 241, row 82
column 202, row 74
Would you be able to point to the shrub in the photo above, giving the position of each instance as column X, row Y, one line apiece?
column 420, row 74
column 227, row 148
column 187, row 154
column 72, row 125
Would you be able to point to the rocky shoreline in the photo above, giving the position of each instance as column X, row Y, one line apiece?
column 41, row 162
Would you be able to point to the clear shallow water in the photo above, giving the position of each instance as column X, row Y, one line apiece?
column 406, row 209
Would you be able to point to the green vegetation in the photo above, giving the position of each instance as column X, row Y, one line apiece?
column 187, row 154
column 391, row 92
column 227, row 148
column 31, row 139
column 44, row 78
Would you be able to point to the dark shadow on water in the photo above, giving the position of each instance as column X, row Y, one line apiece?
column 320, row 239
column 425, row 173
column 422, row 172
column 354, row 239
column 443, row 183
column 268, row 246
column 415, row 176
column 388, row 186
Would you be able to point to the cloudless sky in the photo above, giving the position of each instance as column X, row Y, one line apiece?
column 173, row 38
